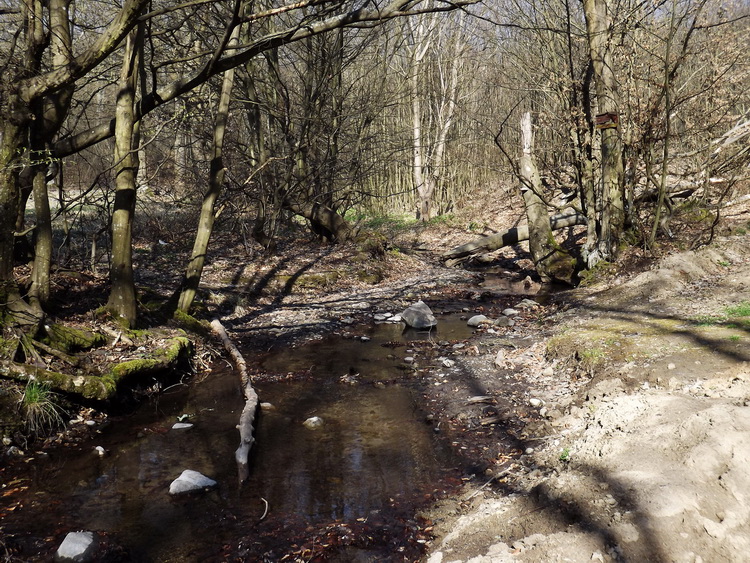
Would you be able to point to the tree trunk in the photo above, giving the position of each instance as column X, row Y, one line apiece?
column 50, row 114
column 551, row 261
column 611, row 215
column 40, row 285
column 215, row 183
column 122, row 298
column 325, row 221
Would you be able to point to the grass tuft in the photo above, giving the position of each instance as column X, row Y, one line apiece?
column 40, row 408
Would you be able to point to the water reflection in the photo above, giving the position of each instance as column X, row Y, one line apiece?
column 373, row 450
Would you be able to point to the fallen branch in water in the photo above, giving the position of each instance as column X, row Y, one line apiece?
column 247, row 418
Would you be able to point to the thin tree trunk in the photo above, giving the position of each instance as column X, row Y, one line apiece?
column 215, row 183
column 551, row 261
column 122, row 298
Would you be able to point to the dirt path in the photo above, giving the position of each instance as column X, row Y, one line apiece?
column 642, row 450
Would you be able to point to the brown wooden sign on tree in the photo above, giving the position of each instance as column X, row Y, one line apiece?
column 607, row 121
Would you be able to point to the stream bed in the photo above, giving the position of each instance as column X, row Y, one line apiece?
column 371, row 466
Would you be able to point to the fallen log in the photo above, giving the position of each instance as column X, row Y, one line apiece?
column 247, row 418
column 509, row 237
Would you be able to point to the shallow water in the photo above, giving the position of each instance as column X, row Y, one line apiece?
column 374, row 453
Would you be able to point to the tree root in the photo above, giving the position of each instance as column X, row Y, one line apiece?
column 103, row 387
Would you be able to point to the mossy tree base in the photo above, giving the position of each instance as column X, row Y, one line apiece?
column 104, row 387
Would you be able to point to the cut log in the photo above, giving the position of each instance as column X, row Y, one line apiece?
column 247, row 418
column 509, row 237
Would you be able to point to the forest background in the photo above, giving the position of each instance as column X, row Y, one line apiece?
column 147, row 121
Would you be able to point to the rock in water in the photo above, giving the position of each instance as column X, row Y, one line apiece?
column 313, row 423
column 77, row 546
column 477, row 320
column 419, row 315
column 190, row 481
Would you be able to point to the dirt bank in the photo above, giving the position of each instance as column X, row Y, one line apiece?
column 642, row 449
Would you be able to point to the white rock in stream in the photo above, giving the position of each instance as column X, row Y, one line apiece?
column 190, row 481
column 182, row 426
column 313, row 423
column 477, row 320
column 77, row 546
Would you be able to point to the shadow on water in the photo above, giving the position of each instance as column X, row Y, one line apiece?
column 374, row 459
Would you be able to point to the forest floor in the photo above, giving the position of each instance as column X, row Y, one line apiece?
column 610, row 423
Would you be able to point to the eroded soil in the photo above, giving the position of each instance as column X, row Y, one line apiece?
column 646, row 460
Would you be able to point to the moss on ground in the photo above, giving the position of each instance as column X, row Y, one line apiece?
column 69, row 339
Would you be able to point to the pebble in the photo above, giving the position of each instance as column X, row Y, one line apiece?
column 182, row 426
column 409, row 359
column 671, row 366
column 448, row 363
column 90, row 423
column 510, row 312
column 100, row 451
column 548, row 372
column 529, row 451
column 536, row 402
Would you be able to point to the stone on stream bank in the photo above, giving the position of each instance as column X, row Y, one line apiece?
column 419, row 316
column 190, row 481
column 313, row 423
column 77, row 546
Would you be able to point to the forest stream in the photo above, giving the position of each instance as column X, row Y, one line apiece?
column 375, row 461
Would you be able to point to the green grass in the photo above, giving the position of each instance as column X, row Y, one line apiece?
column 40, row 408
column 735, row 338
column 707, row 320
column 591, row 359
column 739, row 310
